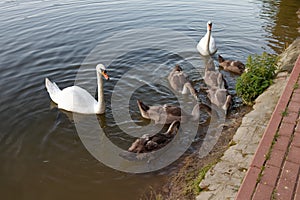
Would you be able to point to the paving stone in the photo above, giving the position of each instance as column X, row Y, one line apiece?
column 261, row 153
column 297, row 197
column 296, row 139
column 262, row 191
column 286, row 129
column 249, row 134
column 204, row 195
column 227, row 193
column 269, row 175
column 276, row 158
column 297, row 129
column 235, row 157
column 294, row 154
column 297, row 91
column 291, row 118
column 296, row 97
column 282, row 143
column 216, row 179
column 247, row 150
column 290, row 171
column 256, row 118
column 286, row 183
column 284, row 190
column 298, row 188
column 294, row 106
column 251, row 178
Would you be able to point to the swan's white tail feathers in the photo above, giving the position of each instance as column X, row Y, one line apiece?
column 52, row 89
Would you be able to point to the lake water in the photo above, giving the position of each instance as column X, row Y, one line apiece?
column 41, row 153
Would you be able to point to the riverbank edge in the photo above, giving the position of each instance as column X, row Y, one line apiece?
column 223, row 180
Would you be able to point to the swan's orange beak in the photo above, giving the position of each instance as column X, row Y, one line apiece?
column 209, row 26
column 104, row 74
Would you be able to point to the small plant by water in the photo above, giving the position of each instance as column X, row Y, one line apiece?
column 193, row 185
column 259, row 76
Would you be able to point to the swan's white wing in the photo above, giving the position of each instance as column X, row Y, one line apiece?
column 76, row 99
column 212, row 45
column 202, row 45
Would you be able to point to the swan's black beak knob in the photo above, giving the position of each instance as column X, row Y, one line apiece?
column 105, row 75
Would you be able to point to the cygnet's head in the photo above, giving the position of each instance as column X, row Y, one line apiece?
column 178, row 68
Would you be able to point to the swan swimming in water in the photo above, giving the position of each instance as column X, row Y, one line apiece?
column 76, row 99
column 180, row 83
column 166, row 114
column 220, row 98
column 207, row 45
column 148, row 143
column 216, row 92
column 233, row 66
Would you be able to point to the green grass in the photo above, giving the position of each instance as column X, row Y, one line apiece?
column 284, row 113
column 260, row 174
column 274, row 194
column 193, row 185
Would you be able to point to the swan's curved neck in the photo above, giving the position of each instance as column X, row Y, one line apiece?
column 208, row 40
column 100, row 107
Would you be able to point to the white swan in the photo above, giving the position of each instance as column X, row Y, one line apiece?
column 76, row 99
column 207, row 45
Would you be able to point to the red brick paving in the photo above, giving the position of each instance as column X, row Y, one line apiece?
column 297, row 128
column 287, row 181
column 263, row 191
column 296, row 139
column 296, row 97
column 298, row 189
column 274, row 171
column 286, row 129
column 276, row 158
column 245, row 192
column 282, row 143
column 291, row 117
column 294, row 106
column 269, row 175
column 294, row 155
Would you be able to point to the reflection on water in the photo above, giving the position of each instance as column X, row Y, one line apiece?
column 281, row 20
column 41, row 154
